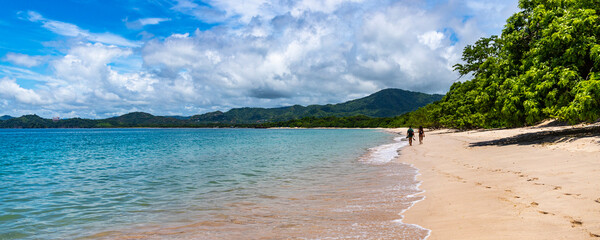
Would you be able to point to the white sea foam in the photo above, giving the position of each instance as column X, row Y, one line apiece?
column 385, row 153
column 419, row 192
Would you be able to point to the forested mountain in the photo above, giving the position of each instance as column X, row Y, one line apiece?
column 385, row 103
column 5, row 117
column 26, row 121
column 141, row 118
column 546, row 64
column 356, row 113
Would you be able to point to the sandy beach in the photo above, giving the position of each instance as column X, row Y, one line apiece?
column 507, row 184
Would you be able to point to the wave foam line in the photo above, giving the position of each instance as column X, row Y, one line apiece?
column 420, row 191
column 385, row 153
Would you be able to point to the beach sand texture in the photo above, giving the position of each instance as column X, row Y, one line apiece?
column 528, row 185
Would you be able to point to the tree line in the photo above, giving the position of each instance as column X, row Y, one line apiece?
column 545, row 64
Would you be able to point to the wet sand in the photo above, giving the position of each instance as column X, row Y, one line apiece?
column 507, row 184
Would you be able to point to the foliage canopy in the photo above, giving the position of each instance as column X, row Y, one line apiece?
column 546, row 64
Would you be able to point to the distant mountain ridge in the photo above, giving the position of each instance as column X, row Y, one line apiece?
column 385, row 103
column 5, row 117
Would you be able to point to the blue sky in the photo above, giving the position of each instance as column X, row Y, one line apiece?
column 96, row 59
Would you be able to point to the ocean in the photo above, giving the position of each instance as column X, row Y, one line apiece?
column 204, row 184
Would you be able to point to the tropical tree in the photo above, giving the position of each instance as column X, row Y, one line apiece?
column 544, row 65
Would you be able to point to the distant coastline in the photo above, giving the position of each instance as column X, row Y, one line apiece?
column 386, row 108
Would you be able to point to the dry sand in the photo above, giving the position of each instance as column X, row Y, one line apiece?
column 519, row 188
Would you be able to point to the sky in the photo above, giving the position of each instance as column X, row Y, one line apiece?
column 104, row 58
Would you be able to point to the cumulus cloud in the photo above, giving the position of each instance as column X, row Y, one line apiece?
column 23, row 59
column 11, row 90
column 90, row 79
column 316, row 54
column 263, row 54
column 87, row 64
column 432, row 39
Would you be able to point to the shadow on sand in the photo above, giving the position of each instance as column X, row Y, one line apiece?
column 563, row 135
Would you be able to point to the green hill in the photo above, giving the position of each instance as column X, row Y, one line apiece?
column 364, row 112
column 138, row 119
column 5, row 117
column 385, row 103
column 26, row 121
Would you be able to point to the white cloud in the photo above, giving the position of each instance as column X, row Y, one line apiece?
column 140, row 23
column 325, row 6
column 202, row 12
column 246, row 10
column 22, row 73
column 486, row 6
column 491, row 15
column 10, row 89
column 152, row 21
column 264, row 54
column 72, row 30
column 23, row 59
column 432, row 39
column 319, row 53
column 87, row 64
column 34, row 16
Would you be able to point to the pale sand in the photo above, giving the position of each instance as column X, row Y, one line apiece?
column 548, row 189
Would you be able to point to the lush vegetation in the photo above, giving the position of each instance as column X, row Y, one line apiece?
column 129, row 121
column 126, row 121
column 546, row 64
column 352, row 114
column 385, row 103
column 5, row 117
column 359, row 121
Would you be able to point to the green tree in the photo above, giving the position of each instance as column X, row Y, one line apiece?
column 544, row 65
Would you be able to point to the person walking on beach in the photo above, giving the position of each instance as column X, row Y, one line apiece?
column 410, row 134
column 421, row 134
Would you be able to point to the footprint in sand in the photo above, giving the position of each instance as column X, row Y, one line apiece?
column 576, row 223
column 597, row 200
column 557, row 188
column 534, row 204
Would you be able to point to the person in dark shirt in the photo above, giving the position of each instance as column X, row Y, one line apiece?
column 421, row 134
column 410, row 135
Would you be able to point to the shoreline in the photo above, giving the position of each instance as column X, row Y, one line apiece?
column 545, row 188
column 363, row 206
column 420, row 191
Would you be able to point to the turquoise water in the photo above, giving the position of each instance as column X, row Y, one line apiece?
column 70, row 183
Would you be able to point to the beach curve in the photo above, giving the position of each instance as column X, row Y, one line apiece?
column 541, row 189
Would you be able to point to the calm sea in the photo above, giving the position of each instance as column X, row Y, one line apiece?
column 204, row 184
